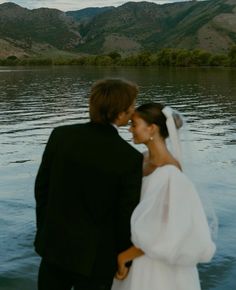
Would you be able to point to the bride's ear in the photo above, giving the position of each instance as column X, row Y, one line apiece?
column 154, row 129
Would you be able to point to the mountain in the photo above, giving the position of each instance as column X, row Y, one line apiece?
column 135, row 26
column 86, row 14
column 129, row 28
column 24, row 28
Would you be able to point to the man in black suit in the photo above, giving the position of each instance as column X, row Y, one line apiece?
column 86, row 188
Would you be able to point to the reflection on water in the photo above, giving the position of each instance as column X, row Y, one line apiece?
column 33, row 101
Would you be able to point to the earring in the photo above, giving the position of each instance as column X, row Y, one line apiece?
column 151, row 138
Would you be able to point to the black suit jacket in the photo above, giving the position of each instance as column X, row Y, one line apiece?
column 86, row 188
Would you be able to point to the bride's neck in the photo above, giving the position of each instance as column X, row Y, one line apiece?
column 158, row 152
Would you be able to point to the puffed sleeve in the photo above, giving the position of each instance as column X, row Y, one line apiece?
column 169, row 223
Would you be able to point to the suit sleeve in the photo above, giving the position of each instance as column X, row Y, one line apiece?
column 128, row 200
column 43, row 180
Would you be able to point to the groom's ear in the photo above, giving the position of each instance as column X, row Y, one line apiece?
column 120, row 118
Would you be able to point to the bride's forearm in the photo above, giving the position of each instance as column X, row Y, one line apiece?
column 130, row 254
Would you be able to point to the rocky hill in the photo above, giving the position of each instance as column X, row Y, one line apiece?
column 129, row 28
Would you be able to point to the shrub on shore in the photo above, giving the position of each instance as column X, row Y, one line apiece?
column 165, row 57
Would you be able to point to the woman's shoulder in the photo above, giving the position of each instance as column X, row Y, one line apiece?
column 161, row 175
column 168, row 170
column 172, row 174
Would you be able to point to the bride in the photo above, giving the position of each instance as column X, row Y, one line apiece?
column 169, row 228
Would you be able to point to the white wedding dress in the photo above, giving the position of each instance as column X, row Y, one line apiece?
column 170, row 226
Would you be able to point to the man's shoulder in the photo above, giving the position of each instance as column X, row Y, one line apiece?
column 130, row 149
column 65, row 132
column 69, row 128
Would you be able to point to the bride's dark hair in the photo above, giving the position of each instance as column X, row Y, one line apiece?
column 152, row 113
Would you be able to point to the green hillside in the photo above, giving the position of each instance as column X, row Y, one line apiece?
column 130, row 28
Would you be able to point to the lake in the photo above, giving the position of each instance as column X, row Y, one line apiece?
column 35, row 100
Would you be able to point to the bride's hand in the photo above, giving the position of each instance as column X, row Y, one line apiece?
column 123, row 270
column 126, row 257
column 122, row 273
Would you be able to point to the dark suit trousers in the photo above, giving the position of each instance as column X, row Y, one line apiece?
column 52, row 277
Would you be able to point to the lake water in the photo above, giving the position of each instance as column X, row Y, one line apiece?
column 33, row 101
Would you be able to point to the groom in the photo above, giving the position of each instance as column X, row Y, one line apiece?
column 86, row 188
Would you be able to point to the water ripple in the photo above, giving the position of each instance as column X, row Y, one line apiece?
column 34, row 101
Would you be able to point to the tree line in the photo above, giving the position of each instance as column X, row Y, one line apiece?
column 165, row 57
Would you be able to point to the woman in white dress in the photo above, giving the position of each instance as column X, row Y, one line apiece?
column 169, row 228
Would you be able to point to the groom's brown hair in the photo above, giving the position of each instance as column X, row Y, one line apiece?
column 109, row 97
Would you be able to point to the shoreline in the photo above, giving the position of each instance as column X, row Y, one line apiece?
column 167, row 57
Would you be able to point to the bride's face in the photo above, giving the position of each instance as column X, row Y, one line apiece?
column 140, row 129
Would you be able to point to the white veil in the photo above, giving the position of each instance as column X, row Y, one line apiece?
column 176, row 146
column 173, row 133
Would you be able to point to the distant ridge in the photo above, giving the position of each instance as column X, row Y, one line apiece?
column 86, row 14
column 127, row 29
